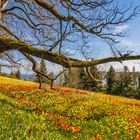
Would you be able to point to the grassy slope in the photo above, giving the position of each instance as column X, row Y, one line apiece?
column 6, row 80
column 61, row 114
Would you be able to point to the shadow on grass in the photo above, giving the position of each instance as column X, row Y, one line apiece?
column 4, row 101
column 53, row 105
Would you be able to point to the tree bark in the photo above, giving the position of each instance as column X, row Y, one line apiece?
column 11, row 44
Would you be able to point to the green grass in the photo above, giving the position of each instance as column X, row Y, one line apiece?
column 66, row 114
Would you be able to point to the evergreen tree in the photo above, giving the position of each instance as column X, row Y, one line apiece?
column 43, row 70
column 125, row 81
column 38, row 77
column 86, row 82
column 18, row 74
column 83, row 79
column 110, row 79
column 43, row 67
column 126, row 76
column 12, row 74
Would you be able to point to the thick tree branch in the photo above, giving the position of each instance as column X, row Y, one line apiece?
column 11, row 44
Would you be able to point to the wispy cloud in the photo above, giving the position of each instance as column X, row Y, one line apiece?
column 130, row 43
column 119, row 66
column 121, row 28
column 69, row 51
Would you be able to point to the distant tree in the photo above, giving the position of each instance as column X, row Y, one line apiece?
column 4, row 74
column 51, row 81
column 0, row 69
column 26, row 78
column 119, row 83
column 40, row 78
column 125, row 81
column 126, row 76
column 110, row 79
column 18, row 74
column 43, row 77
column 94, row 85
column 134, row 75
column 83, row 79
column 12, row 74
column 86, row 82
column 43, row 70
column 51, row 76
column 79, row 78
column 63, row 78
column 72, row 78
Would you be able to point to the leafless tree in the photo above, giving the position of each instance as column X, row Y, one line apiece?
column 47, row 28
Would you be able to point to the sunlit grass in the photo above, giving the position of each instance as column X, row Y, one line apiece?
column 6, row 80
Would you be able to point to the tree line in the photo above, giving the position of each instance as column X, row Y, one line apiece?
column 122, row 83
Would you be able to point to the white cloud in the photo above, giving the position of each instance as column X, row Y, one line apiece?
column 130, row 43
column 121, row 28
column 119, row 66
column 69, row 51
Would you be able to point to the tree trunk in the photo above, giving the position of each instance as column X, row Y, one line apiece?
column 51, row 85
column 40, row 81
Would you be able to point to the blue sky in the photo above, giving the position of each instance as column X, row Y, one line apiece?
column 134, row 27
column 131, row 42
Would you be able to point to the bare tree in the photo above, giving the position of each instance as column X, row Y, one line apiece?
column 46, row 28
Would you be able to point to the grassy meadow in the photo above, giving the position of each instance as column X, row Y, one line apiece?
column 27, row 113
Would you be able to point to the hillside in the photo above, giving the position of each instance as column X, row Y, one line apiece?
column 64, row 114
column 6, row 80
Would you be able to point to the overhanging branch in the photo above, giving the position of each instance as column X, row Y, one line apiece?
column 11, row 44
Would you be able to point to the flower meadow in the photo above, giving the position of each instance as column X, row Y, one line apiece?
column 27, row 113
